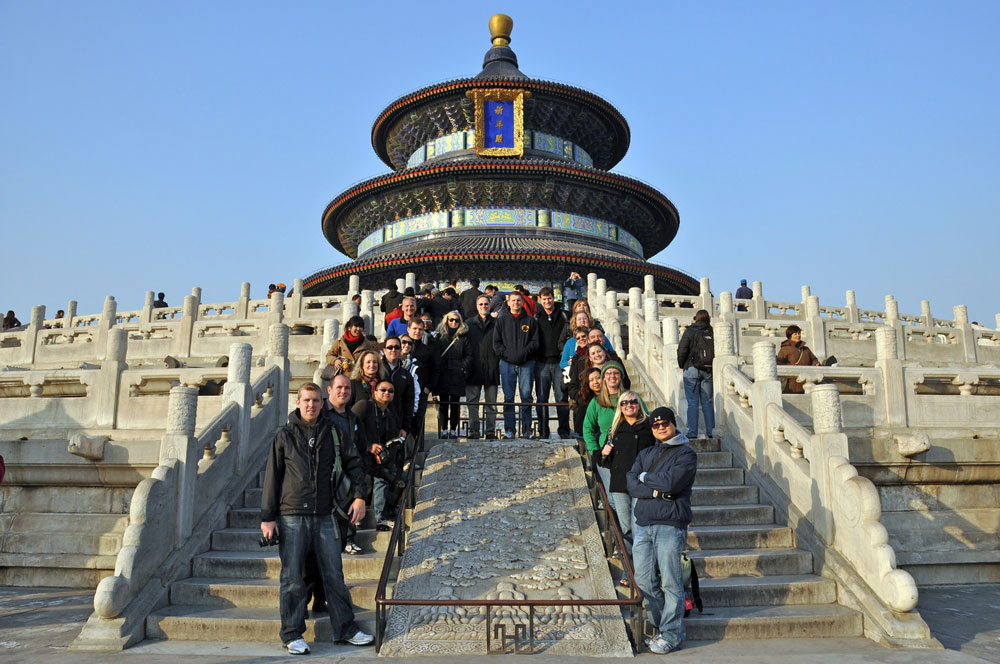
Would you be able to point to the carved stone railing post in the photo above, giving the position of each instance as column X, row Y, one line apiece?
column 725, row 355
column 925, row 313
column 852, row 308
column 410, row 281
column 673, row 378
column 295, row 306
column 806, row 292
column 599, row 292
column 353, row 285
column 147, row 307
column 368, row 311
column 725, row 307
column 179, row 443
column 651, row 314
column 108, row 321
column 828, row 441
column 348, row 309
column 815, row 326
column 185, row 331
column 648, row 287
column 997, row 321
column 277, row 356
column 276, row 308
column 237, row 390
column 892, row 320
column 634, row 317
column 196, row 293
column 891, row 367
column 70, row 315
column 105, row 389
column 612, row 325
column 243, row 304
column 705, row 293
column 965, row 332
column 766, row 390
column 29, row 338
column 759, row 305
column 591, row 285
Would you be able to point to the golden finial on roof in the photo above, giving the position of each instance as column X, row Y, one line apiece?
column 500, row 27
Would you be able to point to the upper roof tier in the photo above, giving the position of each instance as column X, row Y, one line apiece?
column 561, row 110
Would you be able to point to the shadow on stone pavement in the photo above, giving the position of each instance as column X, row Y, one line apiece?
column 964, row 618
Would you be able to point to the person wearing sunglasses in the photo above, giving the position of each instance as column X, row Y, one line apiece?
column 629, row 434
column 405, row 403
column 454, row 364
column 660, row 481
column 600, row 415
column 386, row 456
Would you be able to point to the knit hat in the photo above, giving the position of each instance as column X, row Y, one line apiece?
column 662, row 414
column 612, row 365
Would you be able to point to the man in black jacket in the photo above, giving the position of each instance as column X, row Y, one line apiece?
column 297, row 505
column 485, row 374
column 515, row 341
column 695, row 353
column 552, row 325
column 467, row 300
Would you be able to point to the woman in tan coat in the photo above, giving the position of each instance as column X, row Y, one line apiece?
column 346, row 350
column 795, row 353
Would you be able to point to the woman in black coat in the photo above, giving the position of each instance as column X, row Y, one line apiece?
column 454, row 363
column 630, row 433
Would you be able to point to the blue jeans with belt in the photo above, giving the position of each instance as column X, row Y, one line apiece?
column 698, row 390
column 299, row 534
column 522, row 378
column 656, row 554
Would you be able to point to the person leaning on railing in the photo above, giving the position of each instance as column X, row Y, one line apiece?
column 794, row 352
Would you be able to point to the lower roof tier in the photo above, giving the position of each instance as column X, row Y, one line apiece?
column 517, row 259
column 639, row 209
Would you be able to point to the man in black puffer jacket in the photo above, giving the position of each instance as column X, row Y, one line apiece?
column 297, row 505
column 515, row 340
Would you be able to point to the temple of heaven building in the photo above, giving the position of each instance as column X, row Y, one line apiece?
column 501, row 177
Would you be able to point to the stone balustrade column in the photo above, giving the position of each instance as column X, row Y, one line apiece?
column 296, row 305
column 765, row 361
column 401, row 285
column 671, row 331
column 368, row 312
column 828, row 440
column 196, row 292
column 826, row 411
column 237, row 390
column 353, row 285
column 600, row 290
column 632, row 316
column 31, row 334
column 725, row 355
column 106, row 389
column 243, row 304
column 671, row 382
column 276, row 308
column 277, row 356
column 651, row 316
column 109, row 318
column 852, row 308
column 705, row 293
column 348, row 309
column 411, row 282
column 635, row 300
column 179, row 443
column 967, row 335
column 816, row 327
column 892, row 320
column 70, row 314
column 591, row 285
column 725, row 307
column 997, row 321
column 147, row 307
column 925, row 313
column 806, row 292
column 612, row 323
column 766, row 390
column 185, row 329
column 648, row 286
column 891, row 309
column 758, row 307
column 890, row 365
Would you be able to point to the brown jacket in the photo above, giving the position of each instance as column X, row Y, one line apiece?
column 339, row 349
column 797, row 355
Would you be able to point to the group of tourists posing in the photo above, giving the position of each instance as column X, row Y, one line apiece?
column 369, row 424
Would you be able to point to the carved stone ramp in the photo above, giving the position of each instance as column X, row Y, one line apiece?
column 504, row 520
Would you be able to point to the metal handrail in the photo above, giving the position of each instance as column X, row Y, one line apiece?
column 396, row 547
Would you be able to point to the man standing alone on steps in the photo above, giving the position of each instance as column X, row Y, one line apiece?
column 660, row 484
column 297, row 507
column 695, row 353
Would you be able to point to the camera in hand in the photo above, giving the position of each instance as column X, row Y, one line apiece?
column 387, row 468
column 269, row 541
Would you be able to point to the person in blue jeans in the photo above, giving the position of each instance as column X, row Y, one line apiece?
column 515, row 340
column 660, row 481
column 695, row 353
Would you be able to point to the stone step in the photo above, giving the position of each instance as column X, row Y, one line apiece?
column 763, row 536
column 731, row 515
column 768, row 591
column 47, row 542
column 252, row 593
column 706, row 445
column 67, row 570
column 718, row 477
column 724, row 563
column 773, row 622
column 245, row 539
column 715, row 460
column 64, row 522
column 207, row 623
column 251, row 497
column 725, row 495
column 265, row 564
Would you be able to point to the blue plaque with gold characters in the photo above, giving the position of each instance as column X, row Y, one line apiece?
column 499, row 121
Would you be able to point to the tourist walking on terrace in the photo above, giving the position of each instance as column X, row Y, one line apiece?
column 794, row 352
column 629, row 434
column 743, row 293
column 159, row 302
column 515, row 341
column 455, row 358
column 573, row 289
column 695, row 353
column 660, row 481
column 299, row 512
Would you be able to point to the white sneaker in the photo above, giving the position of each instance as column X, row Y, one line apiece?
column 660, row 646
column 297, row 647
column 361, row 639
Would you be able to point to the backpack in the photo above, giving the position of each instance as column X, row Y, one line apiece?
column 691, row 590
column 702, row 350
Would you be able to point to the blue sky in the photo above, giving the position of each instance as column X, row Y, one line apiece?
column 158, row 146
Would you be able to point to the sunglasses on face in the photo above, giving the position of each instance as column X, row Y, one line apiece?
column 394, row 347
column 660, row 425
column 406, row 343
column 452, row 320
column 629, row 402
column 387, row 391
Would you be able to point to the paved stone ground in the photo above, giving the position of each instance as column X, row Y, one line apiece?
column 38, row 624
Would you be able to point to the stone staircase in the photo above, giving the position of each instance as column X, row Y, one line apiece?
column 232, row 594
column 754, row 583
